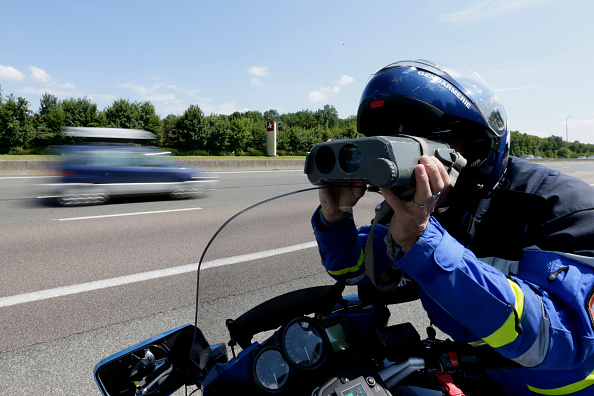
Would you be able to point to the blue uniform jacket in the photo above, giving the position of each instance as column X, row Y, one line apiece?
column 516, row 280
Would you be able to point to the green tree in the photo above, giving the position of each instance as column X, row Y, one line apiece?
column 271, row 115
column 219, row 129
column 240, row 135
column 293, row 139
column 327, row 116
column 134, row 115
column 49, row 122
column 190, row 130
column 124, row 114
column 346, row 129
column 16, row 124
column 47, row 103
column 255, row 116
column 168, row 129
column 81, row 112
column 304, row 119
column 258, row 132
column 149, row 119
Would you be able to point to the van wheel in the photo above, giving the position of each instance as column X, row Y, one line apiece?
column 77, row 199
column 187, row 192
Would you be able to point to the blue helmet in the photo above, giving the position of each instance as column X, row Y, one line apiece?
column 420, row 98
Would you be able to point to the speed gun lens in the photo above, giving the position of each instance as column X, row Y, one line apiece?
column 349, row 158
column 325, row 160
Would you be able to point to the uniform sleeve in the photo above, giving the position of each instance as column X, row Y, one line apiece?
column 342, row 249
column 503, row 312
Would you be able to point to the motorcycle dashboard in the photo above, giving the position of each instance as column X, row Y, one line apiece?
column 271, row 370
column 337, row 336
column 355, row 390
column 302, row 345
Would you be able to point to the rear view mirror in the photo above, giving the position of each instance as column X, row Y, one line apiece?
column 157, row 366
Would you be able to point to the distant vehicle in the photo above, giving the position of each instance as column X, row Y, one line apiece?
column 537, row 157
column 527, row 156
column 582, row 157
column 91, row 174
column 591, row 157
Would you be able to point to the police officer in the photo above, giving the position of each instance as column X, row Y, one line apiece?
column 505, row 257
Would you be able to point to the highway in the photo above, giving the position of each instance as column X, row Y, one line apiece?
column 78, row 284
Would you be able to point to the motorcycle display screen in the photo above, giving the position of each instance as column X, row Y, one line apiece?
column 337, row 336
column 356, row 390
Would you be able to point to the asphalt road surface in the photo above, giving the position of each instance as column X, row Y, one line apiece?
column 79, row 284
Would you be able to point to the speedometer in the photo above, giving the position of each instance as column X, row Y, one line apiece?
column 271, row 371
column 304, row 344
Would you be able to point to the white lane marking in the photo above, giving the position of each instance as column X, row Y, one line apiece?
column 144, row 276
column 124, row 214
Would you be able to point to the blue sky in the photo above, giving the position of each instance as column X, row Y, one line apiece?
column 227, row 56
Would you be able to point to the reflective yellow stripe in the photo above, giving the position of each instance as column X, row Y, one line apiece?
column 507, row 333
column 349, row 269
column 568, row 389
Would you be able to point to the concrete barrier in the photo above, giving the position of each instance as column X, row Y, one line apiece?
column 246, row 164
column 27, row 168
column 47, row 168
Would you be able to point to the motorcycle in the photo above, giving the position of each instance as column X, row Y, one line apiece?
column 322, row 344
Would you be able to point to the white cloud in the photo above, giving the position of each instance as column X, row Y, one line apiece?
column 487, row 8
column 323, row 93
column 172, row 99
column 346, row 80
column 160, row 97
column 259, row 71
column 103, row 99
column 160, row 92
column 10, row 73
column 59, row 90
column 39, row 75
column 228, row 108
column 44, row 83
column 225, row 108
column 140, row 89
column 67, row 86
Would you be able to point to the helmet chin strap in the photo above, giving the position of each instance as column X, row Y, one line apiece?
column 392, row 278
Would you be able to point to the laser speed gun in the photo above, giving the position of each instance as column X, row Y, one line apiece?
column 380, row 161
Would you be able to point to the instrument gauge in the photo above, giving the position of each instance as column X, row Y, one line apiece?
column 271, row 370
column 304, row 343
